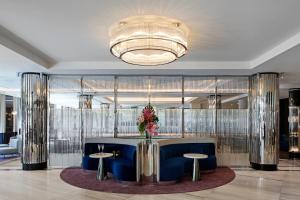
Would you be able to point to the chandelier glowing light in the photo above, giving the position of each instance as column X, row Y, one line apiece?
column 149, row 40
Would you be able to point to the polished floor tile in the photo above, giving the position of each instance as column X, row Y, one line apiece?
column 284, row 196
column 249, row 184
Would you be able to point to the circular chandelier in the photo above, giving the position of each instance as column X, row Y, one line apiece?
column 149, row 40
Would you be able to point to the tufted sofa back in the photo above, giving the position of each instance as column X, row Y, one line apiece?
column 126, row 151
column 177, row 150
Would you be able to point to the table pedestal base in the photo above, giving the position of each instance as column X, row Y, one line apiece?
column 196, row 173
column 100, row 173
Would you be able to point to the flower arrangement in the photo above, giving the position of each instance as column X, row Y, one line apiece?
column 147, row 122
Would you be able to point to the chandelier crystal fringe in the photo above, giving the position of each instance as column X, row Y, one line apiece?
column 149, row 40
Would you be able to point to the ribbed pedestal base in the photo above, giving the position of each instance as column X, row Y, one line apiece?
column 264, row 167
column 36, row 166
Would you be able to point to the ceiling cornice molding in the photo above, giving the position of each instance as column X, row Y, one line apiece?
column 23, row 48
column 277, row 50
column 175, row 65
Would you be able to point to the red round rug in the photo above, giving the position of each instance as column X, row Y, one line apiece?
column 87, row 180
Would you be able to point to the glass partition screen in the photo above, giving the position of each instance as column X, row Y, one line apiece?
column 64, row 121
column 163, row 93
column 108, row 106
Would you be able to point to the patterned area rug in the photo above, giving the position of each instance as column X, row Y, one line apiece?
column 87, row 180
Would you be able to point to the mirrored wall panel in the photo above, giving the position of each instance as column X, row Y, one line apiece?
column 64, row 144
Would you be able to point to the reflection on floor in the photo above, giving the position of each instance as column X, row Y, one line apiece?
column 249, row 184
column 11, row 163
column 4, row 158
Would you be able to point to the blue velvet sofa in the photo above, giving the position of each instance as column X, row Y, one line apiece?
column 173, row 165
column 123, row 167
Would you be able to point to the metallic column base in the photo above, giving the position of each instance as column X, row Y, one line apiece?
column 148, row 179
column 264, row 167
column 35, row 166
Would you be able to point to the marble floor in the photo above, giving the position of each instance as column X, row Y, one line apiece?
column 249, row 184
column 13, row 163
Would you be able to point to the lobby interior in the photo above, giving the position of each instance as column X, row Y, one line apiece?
column 149, row 100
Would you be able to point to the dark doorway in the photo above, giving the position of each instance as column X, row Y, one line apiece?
column 284, row 128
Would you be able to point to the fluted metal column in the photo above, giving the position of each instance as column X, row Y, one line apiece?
column 34, row 94
column 294, row 123
column 85, row 105
column 2, row 113
column 264, row 121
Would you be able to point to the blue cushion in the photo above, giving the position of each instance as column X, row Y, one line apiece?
column 173, row 153
column 173, row 150
column 123, row 171
column 188, row 165
column 90, row 163
column 128, row 152
column 126, row 159
column 172, row 170
column 108, row 164
column 209, row 163
column 204, row 148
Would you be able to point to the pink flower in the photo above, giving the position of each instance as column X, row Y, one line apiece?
column 148, row 115
column 151, row 128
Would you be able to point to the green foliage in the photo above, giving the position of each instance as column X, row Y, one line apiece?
column 142, row 127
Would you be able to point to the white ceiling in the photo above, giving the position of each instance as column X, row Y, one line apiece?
column 11, row 63
column 228, row 37
column 232, row 30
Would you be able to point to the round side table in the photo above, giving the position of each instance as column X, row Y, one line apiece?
column 100, row 172
column 196, row 157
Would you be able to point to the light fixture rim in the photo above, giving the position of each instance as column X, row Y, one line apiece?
column 150, row 38
column 176, row 57
column 131, row 39
column 153, row 64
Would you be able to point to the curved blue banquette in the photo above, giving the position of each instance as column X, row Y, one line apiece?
column 170, row 163
column 173, row 166
column 123, row 166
